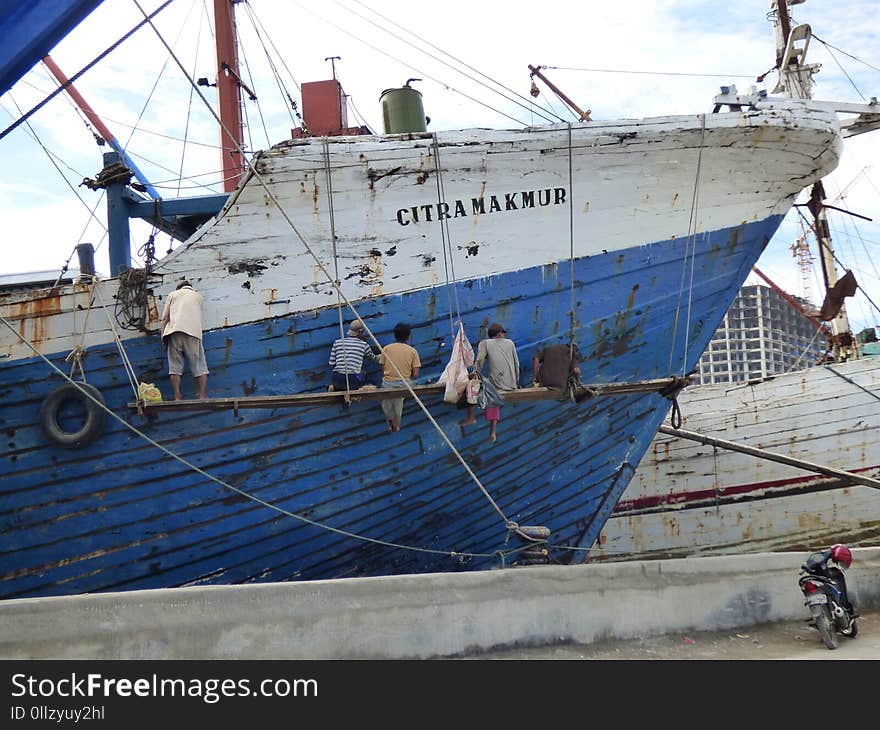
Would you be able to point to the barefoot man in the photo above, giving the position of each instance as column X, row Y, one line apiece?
column 182, row 337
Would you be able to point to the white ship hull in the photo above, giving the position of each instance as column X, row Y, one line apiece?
column 691, row 499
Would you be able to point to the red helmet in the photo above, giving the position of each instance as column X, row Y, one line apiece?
column 841, row 555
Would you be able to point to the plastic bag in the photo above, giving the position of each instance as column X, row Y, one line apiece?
column 472, row 391
column 455, row 375
column 149, row 393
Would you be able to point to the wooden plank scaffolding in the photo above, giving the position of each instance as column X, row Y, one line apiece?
column 337, row 398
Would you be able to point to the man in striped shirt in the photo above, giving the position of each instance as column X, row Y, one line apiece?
column 347, row 358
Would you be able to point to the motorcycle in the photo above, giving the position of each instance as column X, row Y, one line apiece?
column 824, row 587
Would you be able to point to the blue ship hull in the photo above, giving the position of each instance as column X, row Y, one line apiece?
column 122, row 515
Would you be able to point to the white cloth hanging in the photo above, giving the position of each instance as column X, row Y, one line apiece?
column 455, row 375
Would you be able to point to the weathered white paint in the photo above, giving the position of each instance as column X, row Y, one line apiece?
column 812, row 415
column 632, row 183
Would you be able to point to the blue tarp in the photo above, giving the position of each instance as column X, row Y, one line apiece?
column 29, row 29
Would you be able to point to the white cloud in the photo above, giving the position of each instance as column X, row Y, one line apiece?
column 498, row 38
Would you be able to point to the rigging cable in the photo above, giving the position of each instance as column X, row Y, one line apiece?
column 446, row 240
column 255, row 173
column 836, row 259
column 189, row 105
column 848, row 77
column 422, row 74
column 126, row 363
column 274, row 48
column 142, row 130
column 647, row 73
column 243, row 493
column 281, row 88
column 840, row 50
column 35, row 109
column 691, row 242
column 805, row 351
column 325, row 146
column 52, row 157
column 529, row 102
column 570, row 244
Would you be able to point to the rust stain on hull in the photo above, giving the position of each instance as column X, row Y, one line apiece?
column 36, row 313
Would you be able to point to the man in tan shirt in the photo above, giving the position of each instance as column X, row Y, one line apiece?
column 182, row 337
column 399, row 359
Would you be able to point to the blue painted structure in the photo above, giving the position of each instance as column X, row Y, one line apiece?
column 179, row 217
column 121, row 515
column 31, row 29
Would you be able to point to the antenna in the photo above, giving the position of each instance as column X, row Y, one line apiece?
column 333, row 60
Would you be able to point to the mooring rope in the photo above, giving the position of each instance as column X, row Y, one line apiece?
column 243, row 493
column 255, row 173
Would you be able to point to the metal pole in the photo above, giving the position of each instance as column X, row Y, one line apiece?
column 584, row 115
column 117, row 221
column 228, row 95
column 107, row 135
column 770, row 456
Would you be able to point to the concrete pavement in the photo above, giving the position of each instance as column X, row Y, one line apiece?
column 778, row 640
column 425, row 616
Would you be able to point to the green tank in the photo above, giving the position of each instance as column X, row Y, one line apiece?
column 402, row 110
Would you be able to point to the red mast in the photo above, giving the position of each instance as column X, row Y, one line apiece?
column 229, row 94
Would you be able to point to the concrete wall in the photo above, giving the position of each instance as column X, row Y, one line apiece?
column 422, row 616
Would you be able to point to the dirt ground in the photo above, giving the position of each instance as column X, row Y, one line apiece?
column 783, row 640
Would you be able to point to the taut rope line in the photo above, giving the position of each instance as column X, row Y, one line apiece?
column 217, row 480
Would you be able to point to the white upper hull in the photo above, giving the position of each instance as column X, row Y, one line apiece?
column 507, row 202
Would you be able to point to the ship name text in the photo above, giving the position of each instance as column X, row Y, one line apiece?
column 481, row 206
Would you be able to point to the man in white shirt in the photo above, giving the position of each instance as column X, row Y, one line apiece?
column 182, row 337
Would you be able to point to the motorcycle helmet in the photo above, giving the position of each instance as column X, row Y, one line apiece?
column 841, row 555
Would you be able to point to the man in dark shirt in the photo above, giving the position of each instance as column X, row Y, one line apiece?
column 554, row 364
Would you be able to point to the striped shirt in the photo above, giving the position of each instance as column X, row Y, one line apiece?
column 347, row 355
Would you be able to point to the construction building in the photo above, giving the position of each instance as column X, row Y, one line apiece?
column 762, row 334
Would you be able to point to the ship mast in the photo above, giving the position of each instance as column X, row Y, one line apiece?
column 229, row 94
column 796, row 82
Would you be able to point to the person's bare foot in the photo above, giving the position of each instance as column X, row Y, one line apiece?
column 467, row 422
column 492, row 437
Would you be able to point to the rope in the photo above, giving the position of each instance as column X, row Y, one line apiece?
column 126, row 363
column 422, row 74
column 76, row 354
column 692, row 239
column 570, row 244
column 695, row 206
column 34, row 110
column 804, row 351
column 216, row 480
column 189, row 104
column 446, row 239
column 325, row 146
column 421, row 48
column 256, row 174
column 852, row 382
column 285, row 94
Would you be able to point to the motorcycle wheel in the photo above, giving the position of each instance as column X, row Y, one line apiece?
column 825, row 626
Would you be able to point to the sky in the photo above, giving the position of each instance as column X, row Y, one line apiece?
column 619, row 60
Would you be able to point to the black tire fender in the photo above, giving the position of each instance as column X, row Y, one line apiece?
column 95, row 419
